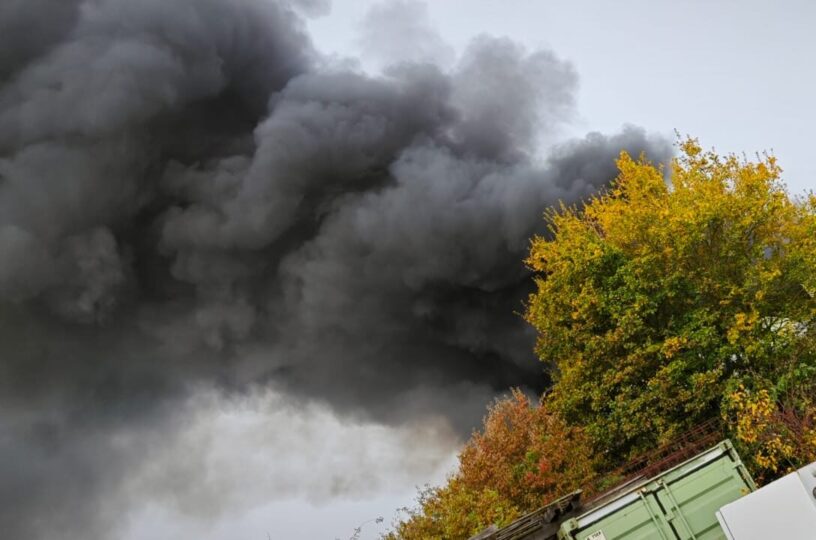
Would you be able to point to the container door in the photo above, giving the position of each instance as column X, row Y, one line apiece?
column 690, row 502
column 636, row 517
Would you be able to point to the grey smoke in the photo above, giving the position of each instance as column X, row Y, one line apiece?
column 189, row 195
column 402, row 31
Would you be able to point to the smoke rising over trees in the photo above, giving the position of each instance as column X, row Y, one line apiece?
column 662, row 306
column 190, row 194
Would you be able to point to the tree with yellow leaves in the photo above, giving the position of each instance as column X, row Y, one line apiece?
column 663, row 303
column 660, row 303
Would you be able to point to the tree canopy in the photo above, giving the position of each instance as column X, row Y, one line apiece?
column 660, row 304
column 679, row 294
column 522, row 457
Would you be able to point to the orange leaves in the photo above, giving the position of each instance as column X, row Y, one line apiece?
column 526, row 453
column 523, row 457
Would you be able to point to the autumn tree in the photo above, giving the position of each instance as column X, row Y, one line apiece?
column 678, row 295
column 663, row 302
column 524, row 456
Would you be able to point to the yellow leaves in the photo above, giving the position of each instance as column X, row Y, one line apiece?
column 690, row 147
column 754, row 417
column 637, row 196
column 454, row 511
column 665, row 290
column 753, row 413
column 810, row 440
column 672, row 345
column 772, row 454
column 743, row 323
column 770, row 275
column 775, row 438
column 709, row 197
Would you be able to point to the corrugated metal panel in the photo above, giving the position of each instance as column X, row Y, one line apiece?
column 680, row 504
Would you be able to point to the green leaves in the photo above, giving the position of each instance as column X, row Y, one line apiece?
column 657, row 307
column 652, row 297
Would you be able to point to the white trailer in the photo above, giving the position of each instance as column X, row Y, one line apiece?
column 784, row 509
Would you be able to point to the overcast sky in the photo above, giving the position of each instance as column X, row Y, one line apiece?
column 262, row 465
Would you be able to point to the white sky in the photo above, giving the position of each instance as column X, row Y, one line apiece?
column 733, row 73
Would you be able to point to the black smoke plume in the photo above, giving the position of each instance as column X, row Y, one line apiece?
column 190, row 194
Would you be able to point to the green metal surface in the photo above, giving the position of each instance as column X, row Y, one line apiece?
column 680, row 504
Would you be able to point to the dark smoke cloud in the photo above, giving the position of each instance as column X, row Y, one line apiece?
column 187, row 198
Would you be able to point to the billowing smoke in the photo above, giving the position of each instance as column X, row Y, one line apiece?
column 190, row 195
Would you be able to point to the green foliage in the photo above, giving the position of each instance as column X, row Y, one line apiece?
column 655, row 301
column 658, row 305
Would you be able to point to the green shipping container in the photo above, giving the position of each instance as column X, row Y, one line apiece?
column 679, row 504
